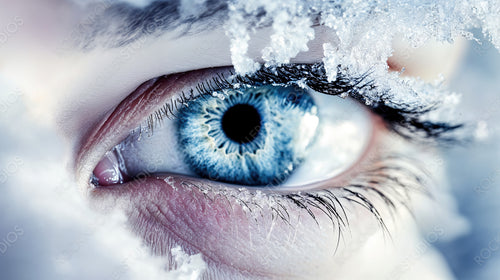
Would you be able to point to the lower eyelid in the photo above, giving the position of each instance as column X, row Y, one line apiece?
column 183, row 213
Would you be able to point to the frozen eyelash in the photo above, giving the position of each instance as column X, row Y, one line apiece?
column 404, row 119
column 399, row 175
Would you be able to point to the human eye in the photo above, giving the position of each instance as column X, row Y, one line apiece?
column 249, row 131
column 341, row 161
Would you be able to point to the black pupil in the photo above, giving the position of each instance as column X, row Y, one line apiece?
column 241, row 123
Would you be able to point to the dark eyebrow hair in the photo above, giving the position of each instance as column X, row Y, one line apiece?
column 113, row 25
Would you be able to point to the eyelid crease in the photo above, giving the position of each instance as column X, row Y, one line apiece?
column 403, row 119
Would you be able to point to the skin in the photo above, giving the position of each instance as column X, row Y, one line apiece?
column 76, row 92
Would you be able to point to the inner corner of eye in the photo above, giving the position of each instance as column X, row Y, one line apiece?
column 257, row 136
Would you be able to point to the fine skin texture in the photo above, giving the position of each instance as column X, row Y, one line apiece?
column 79, row 92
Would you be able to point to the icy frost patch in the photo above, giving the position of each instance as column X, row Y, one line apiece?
column 365, row 29
column 190, row 267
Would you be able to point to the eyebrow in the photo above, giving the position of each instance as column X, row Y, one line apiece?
column 113, row 25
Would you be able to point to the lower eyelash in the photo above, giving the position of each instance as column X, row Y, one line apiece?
column 393, row 180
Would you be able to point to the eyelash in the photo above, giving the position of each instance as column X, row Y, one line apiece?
column 330, row 200
column 402, row 119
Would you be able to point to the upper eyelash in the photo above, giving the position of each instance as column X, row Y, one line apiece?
column 403, row 119
column 203, row 89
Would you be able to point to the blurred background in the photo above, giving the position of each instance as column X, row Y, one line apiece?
column 473, row 170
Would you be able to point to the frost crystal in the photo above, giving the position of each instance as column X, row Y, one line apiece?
column 189, row 267
column 292, row 32
column 237, row 30
column 169, row 180
column 362, row 31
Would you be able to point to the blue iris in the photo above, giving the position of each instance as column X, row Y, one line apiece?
column 247, row 136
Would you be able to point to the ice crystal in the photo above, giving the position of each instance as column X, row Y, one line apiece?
column 362, row 31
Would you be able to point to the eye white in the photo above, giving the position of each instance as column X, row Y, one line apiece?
column 343, row 134
column 145, row 153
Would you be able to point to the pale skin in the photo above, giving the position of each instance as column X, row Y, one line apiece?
column 75, row 91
